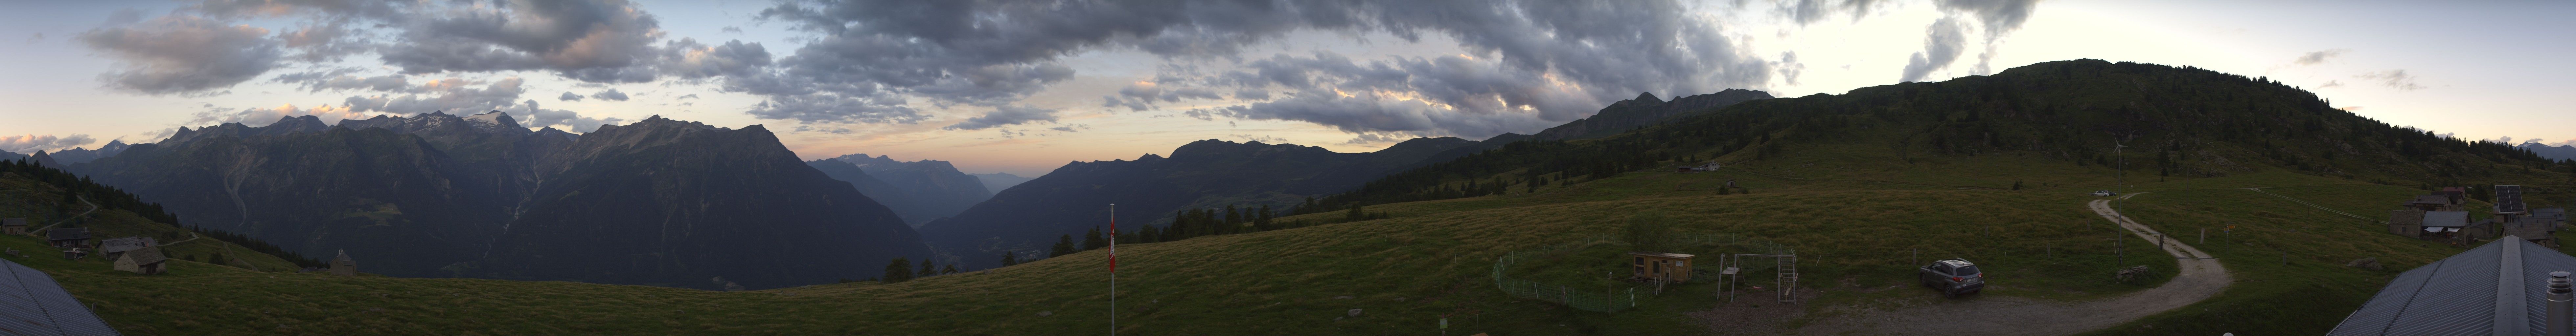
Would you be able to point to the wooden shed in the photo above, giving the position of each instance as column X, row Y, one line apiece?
column 15, row 226
column 2409, row 223
column 148, row 260
column 1674, row 267
column 68, row 237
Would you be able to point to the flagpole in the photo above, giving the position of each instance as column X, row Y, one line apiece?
column 1113, row 269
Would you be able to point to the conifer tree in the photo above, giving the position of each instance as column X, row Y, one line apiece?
column 1092, row 241
column 1063, row 246
column 1009, row 258
column 898, row 270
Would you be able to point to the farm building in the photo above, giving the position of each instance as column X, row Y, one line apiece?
column 342, row 265
column 2557, row 216
column 2434, row 202
column 35, row 305
column 2409, row 223
column 15, row 226
column 118, row 246
column 2495, row 289
column 147, row 260
column 2535, row 229
column 2446, row 225
column 1674, row 267
column 68, row 237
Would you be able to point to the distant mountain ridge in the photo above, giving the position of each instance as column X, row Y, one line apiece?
column 1074, row 198
column 997, row 182
column 921, row 190
column 437, row 194
column 2560, row 152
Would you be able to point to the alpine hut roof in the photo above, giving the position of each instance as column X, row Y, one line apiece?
column 2495, row 289
column 32, row 304
column 2446, row 218
column 147, row 256
column 67, row 234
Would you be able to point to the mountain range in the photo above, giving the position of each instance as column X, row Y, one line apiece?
column 997, row 182
column 436, row 194
column 1072, row 199
column 2559, row 152
column 919, row 191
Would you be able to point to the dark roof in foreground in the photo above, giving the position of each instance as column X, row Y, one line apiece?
column 32, row 304
column 2495, row 289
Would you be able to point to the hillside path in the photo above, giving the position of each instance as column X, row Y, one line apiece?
column 40, row 232
column 2201, row 277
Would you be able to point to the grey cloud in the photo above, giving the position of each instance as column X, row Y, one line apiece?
column 1142, row 96
column 934, row 49
column 1004, row 116
column 2331, row 83
column 262, row 116
column 338, row 80
column 443, row 95
column 593, row 41
column 532, row 115
column 2395, row 79
column 1942, row 45
column 568, row 96
column 1370, row 112
column 2318, row 57
column 182, row 54
column 1998, row 17
column 687, row 96
column 689, row 59
column 610, row 94
column 323, row 43
column 731, row 29
column 1810, row 11
column 27, row 144
column 1789, row 67
column 38, row 36
column 837, row 108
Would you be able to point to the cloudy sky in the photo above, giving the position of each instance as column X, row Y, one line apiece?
column 1025, row 86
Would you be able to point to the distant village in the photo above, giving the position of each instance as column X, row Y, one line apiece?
column 2444, row 216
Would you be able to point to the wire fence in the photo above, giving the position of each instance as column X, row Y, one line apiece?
column 1605, row 301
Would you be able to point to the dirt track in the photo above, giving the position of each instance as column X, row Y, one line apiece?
column 2200, row 278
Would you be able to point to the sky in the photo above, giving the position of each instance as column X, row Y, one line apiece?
column 1025, row 86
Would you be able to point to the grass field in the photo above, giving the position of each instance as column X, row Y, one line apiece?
column 1860, row 222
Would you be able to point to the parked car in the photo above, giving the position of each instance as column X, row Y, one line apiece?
column 1954, row 277
column 2104, row 193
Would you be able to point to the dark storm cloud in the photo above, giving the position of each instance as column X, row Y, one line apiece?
column 990, row 53
column 181, row 54
column 1998, row 17
column 599, row 41
column 1004, row 116
column 1942, row 44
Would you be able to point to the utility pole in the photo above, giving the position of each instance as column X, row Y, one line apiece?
column 2122, row 175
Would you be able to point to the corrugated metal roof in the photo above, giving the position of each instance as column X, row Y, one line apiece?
column 32, row 304
column 2460, row 295
column 2446, row 218
column 13, row 221
column 2430, row 200
column 2550, row 213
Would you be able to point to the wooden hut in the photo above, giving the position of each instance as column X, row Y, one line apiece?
column 2409, row 223
column 15, row 226
column 1674, row 267
column 2534, row 229
column 68, row 237
column 118, row 246
column 147, row 260
column 342, row 265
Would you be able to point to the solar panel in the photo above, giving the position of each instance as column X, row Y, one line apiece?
column 2509, row 199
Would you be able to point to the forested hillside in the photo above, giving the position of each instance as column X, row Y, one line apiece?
column 2176, row 121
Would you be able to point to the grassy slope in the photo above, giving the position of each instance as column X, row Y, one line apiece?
column 1852, row 211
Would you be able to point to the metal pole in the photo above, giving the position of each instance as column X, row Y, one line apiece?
column 1113, row 269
